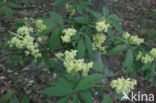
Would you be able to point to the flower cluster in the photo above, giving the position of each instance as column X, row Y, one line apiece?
column 68, row 33
column 98, row 40
column 133, row 40
column 24, row 40
column 102, row 26
column 74, row 65
column 153, row 53
column 70, row 10
column 40, row 26
column 144, row 58
column 122, row 84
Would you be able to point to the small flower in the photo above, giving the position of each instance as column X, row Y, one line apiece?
column 40, row 26
column 74, row 65
column 133, row 40
column 98, row 41
column 102, row 26
column 122, row 84
column 24, row 30
column 138, row 57
column 68, row 33
column 153, row 52
column 146, row 59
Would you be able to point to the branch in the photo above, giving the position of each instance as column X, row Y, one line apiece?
column 7, row 54
column 29, row 7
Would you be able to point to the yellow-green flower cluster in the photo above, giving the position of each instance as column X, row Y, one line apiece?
column 153, row 53
column 134, row 40
column 67, row 34
column 74, row 65
column 24, row 40
column 98, row 41
column 24, row 30
column 102, row 26
column 144, row 58
column 40, row 26
column 70, row 10
column 122, row 84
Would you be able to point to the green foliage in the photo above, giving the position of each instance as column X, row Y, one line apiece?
column 72, row 87
column 6, row 97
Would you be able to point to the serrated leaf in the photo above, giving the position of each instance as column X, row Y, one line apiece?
column 129, row 59
column 89, row 81
column 82, row 20
column 63, row 100
column 26, row 100
column 105, row 11
column 57, row 17
column 59, row 2
column 89, row 46
column 6, row 97
column 87, row 97
column 81, row 48
column 107, row 99
column 9, row 13
column 145, row 66
column 114, row 16
column 25, row 1
column 55, row 38
column 80, row 9
column 57, row 91
column 98, row 66
column 116, row 24
column 117, row 49
column 75, row 98
column 110, row 33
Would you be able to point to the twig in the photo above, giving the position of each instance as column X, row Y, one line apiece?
column 7, row 54
column 29, row 7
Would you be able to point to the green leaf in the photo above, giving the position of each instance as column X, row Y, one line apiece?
column 110, row 33
column 129, row 59
column 107, row 99
column 116, row 24
column 98, row 66
column 80, row 9
column 57, row 91
column 26, row 100
column 117, row 49
column 55, row 38
column 63, row 100
column 108, row 73
column 1, row 44
column 2, row 9
column 114, row 16
column 89, row 81
column 94, row 13
column 59, row 2
column 61, row 82
column 81, row 48
column 87, row 97
column 25, row 1
column 46, row 60
column 9, row 13
column 49, row 22
column 145, row 66
column 6, row 97
column 105, row 11
column 57, row 17
column 75, row 98
column 82, row 20
column 89, row 46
